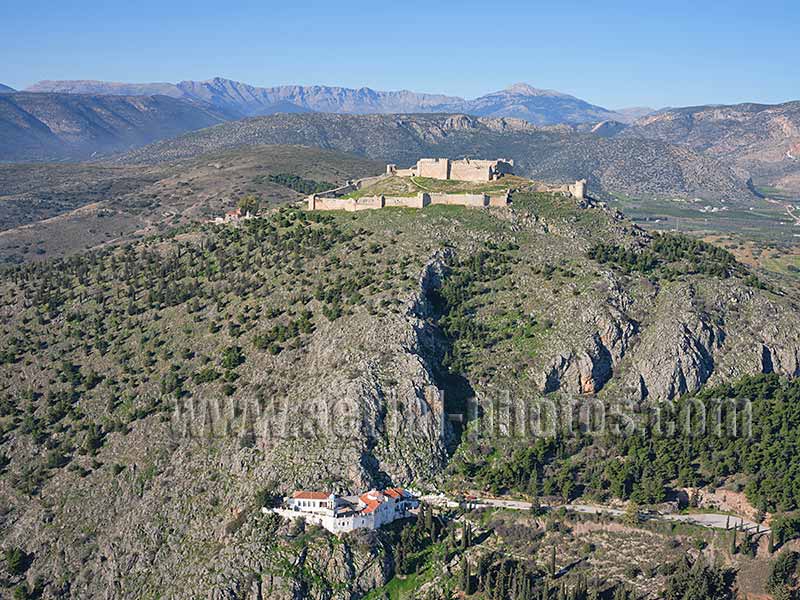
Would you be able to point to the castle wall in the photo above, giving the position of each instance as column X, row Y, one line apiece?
column 435, row 168
column 473, row 170
column 421, row 200
column 367, row 203
column 578, row 189
column 499, row 199
column 474, row 200
column 315, row 202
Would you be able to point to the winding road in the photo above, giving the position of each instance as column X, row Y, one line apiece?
column 710, row 520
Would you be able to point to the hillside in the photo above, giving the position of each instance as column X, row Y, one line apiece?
column 68, row 126
column 4, row 89
column 522, row 101
column 625, row 165
column 763, row 140
column 155, row 395
column 49, row 210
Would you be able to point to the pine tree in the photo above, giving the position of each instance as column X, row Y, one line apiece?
column 465, row 576
column 771, row 542
column 783, row 593
column 733, row 540
column 533, row 484
column 553, row 561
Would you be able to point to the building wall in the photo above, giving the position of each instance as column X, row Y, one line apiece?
column 578, row 189
column 435, row 168
column 421, row 200
column 471, row 170
column 499, row 199
column 335, row 524
column 474, row 200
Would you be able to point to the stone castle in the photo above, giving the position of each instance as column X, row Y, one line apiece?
column 459, row 170
column 478, row 171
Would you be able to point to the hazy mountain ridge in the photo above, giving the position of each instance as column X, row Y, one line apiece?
column 632, row 113
column 4, row 89
column 758, row 138
column 520, row 100
column 44, row 126
column 561, row 153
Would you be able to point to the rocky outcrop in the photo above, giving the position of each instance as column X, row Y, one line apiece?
column 700, row 334
column 587, row 367
column 328, row 570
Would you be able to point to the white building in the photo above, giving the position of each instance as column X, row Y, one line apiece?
column 339, row 514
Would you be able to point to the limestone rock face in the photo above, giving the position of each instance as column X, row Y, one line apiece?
column 672, row 342
column 711, row 334
column 586, row 367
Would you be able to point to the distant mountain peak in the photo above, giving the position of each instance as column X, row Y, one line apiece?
column 525, row 89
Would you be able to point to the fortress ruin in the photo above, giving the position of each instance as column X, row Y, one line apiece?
column 460, row 170
column 471, row 171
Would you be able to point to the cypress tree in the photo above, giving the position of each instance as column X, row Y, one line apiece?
column 465, row 576
column 771, row 542
column 401, row 559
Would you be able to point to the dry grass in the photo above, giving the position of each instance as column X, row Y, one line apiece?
column 410, row 186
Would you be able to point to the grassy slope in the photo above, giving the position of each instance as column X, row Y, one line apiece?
column 410, row 186
column 52, row 210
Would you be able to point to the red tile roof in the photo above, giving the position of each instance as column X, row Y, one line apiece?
column 395, row 493
column 311, row 495
column 372, row 500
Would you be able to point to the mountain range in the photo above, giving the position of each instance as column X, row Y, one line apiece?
column 46, row 126
column 4, row 89
column 760, row 139
column 630, row 165
column 78, row 120
column 542, row 107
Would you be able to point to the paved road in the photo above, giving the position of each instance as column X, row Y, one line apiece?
column 711, row 520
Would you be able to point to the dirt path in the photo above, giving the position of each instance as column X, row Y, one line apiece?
column 789, row 208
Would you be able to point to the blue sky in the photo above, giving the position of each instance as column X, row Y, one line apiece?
column 610, row 53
